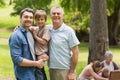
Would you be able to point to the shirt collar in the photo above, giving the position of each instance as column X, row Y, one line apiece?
column 22, row 28
column 60, row 28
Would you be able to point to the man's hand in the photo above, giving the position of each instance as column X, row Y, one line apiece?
column 40, row 63
column 71, row 76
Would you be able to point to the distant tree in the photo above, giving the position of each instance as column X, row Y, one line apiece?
column 98, row 30
column 35, row 4
column 79, row 10
column 2, row 3
column 82, row 7
column 113, row 20
column 10, row 2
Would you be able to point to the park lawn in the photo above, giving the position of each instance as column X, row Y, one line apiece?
column 6, row 66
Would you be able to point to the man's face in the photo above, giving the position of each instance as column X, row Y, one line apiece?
column 57, row 15
column 40, row 21
column 26, row 19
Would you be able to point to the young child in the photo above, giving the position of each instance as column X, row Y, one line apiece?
column 41, row 35
column 105, row 72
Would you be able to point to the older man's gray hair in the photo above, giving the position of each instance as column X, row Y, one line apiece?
column 108, row 54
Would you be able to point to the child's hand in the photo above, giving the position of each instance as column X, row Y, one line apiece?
column 32, row 28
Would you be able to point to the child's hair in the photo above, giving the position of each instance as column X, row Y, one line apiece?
column 96, row 64
column 40, row 13
column 105, row 72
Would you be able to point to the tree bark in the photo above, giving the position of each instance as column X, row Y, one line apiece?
column 113, row 23
column 113, row 28
column 10, row 2
column 98, row 30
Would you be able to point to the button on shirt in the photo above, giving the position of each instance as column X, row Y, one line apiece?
column 62, row 40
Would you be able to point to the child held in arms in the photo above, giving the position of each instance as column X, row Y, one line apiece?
column 41, row 34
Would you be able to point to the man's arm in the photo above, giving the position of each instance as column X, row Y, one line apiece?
column 74, row 61
column 26, row 62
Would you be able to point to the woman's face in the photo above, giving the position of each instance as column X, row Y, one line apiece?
column 98, row 69
column 109, row 59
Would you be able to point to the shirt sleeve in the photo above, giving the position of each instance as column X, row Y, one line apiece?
column 15, row 50
column 46, row 34
column 73, row 40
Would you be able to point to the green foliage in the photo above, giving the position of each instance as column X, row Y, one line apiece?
column 2, row 3
column 34, row 4
column 77, row 13
column 110, row 6
column 7, row 21
column 76, row 5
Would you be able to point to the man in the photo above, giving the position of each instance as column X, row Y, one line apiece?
column 21, row 45
column 63, row 48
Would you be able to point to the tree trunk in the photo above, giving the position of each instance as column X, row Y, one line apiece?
column 10, row 2
column 98, row 30
column 113, row 28
column 113, row 23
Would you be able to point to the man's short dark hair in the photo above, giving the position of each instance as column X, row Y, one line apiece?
column 26, row 10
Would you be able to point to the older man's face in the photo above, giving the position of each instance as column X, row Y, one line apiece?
column 57, row 15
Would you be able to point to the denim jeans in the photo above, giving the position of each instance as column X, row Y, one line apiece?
column 38, row 74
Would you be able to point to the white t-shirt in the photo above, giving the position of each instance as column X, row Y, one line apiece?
column 110, row 66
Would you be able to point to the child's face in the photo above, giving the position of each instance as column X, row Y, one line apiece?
column 106, row 74
column 40, row 21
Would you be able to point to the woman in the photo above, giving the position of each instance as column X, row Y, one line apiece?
column 108, row 63
column 91, row 70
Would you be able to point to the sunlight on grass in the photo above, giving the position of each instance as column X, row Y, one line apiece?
column 6, row 20
column 6, row 66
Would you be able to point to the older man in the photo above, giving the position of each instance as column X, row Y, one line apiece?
column 63, row 47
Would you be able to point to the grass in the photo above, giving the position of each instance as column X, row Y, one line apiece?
column 5, row 62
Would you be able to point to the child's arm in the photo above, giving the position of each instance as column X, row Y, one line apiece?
column 39, row 40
